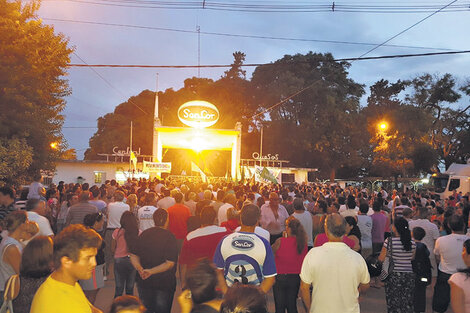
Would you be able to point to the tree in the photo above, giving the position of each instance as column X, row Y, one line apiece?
column 323, row 121
column 399, row 132
column 33, row 62
column 16, row 157
column 449, row 130
column 69, row 154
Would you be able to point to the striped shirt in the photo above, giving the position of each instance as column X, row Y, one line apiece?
column 401, row 257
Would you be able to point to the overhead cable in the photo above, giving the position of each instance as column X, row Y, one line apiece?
column 242, row 35
column 396, row 56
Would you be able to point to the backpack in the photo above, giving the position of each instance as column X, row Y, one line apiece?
column 422, row 264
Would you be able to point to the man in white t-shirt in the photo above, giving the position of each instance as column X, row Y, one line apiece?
column 230, row 201
column 145, row 213
column 432, row 233
column 351, row 208
column 333, row 269
column 167, row 201
column 305, row 218
column 448, row 251
column 36, row 211
column 364, row 222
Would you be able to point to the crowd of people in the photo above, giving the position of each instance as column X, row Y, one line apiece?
column 227, row 245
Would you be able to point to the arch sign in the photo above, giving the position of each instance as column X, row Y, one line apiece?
column 198, row 114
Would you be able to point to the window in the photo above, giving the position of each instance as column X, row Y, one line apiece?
column 454, row 184
column 288, row 178
column 100, row 177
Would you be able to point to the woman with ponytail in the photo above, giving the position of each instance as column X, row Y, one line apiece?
column 289, row 251
column 400, row 283
column 124, row 239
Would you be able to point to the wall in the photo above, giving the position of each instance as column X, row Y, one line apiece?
column 69, row 171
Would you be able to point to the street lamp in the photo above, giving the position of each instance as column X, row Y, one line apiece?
column 54, row 145
column 383, row 126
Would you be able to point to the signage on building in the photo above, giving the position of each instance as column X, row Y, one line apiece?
column 127, row 152
column 269, row 157
column 198, row 114
column 154, row 167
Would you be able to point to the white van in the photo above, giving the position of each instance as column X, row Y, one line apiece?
column 457, row 177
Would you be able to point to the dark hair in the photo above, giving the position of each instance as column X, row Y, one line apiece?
column 36, row 259
column 298, row 204
column 363, row 207
column 126, row 303
column 90, row 219
column 250, row 215
column 244, row 299
column 71, row 240
column 419, row 233
column 355, row 229
column 466, row 245
column 131, row 230
column 202, row 281
column 7, row 191
column 14, row 220
column 207, row 215
column 403, row 229
column 299, row 232
column 31, row 204
column 178, row 197
column 160, row 216
column 323, row 205
column 456, row 223
column 377, row 206
column 351, row 203
column 193, row 223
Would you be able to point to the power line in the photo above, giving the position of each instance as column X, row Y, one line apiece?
column 242, row 35
column 408, row 28
column 359, row 58
column 108, row 83
column 396, row 56
column 276, row 6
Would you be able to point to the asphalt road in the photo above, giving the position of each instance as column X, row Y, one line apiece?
column 372, row 301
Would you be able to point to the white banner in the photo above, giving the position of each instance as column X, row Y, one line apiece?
column 153, row 167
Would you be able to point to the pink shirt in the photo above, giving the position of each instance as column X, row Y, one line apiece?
column 288, row 261
column 322, row 238
column 121, row 245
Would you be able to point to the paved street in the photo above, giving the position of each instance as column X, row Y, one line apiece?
column 373, row 300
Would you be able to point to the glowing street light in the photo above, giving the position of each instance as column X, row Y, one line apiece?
column 383, row 126
column 54, row 145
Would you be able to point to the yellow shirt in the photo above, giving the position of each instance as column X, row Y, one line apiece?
column 57, row 297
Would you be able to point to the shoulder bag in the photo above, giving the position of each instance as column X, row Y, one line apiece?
column 387, row 266
column 10, row 294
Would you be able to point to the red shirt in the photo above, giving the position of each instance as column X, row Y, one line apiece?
column 178, row 215
column 231, row 224
column 322, row 238
column 288, row 260
column 201, row 243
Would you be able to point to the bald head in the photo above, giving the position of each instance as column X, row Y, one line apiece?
column 335, row 226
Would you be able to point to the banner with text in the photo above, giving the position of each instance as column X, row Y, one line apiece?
column 153, row 167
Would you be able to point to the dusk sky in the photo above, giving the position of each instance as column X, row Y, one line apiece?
column 99, row 44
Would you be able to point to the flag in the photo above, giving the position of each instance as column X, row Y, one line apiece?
column 195, row 168
column 263, row 174
column 267, row 175
column 134, row 160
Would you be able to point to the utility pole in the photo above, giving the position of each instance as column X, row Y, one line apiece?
column 198, row 29
column 130, row 150
column 261, row 148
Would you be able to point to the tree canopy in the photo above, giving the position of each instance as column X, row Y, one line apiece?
column 324, row 126
column 33, row 62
